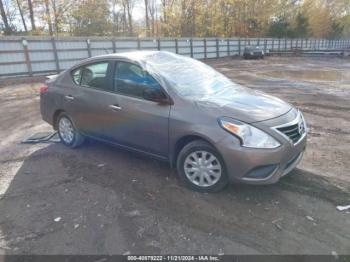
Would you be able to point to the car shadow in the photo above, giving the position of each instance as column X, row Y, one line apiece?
column 95, row 199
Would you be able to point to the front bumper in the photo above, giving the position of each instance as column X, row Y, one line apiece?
column 260, row 166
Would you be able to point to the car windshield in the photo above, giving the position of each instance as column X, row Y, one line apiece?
column 189, row 77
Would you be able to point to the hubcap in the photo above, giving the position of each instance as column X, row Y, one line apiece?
column 66, row 130
column 202, row 168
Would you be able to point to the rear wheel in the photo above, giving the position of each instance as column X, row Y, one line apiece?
column 201, row 167
column 67, row 132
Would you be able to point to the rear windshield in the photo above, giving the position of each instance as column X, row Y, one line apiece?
column 189, row 77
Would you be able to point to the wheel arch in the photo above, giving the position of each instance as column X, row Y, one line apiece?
column 55, row 116
column 183, row 141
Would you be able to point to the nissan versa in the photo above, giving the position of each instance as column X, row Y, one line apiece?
column 180, row 110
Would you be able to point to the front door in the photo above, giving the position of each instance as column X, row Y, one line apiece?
column 142, row 124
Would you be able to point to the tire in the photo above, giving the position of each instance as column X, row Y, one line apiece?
column 75, row 139
column 210, row 179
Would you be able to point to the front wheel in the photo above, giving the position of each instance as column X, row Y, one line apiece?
column 201, row 167
column 67, row 132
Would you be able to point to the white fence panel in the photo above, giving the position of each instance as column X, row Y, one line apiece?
column 38, row 55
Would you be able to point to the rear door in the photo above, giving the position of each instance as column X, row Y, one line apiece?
column 141, row 123
column 90, row 103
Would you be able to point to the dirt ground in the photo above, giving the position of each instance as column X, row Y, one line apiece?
column 102, row 200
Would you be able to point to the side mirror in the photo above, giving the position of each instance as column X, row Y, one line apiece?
column 155, row 95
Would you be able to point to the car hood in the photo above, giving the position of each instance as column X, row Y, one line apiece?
column 243, row 104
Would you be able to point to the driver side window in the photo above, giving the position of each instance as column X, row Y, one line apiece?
column 131, row 80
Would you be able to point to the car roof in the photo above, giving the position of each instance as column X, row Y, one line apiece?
column 136, row 56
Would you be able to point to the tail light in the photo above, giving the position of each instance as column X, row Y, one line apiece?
column 43, row 89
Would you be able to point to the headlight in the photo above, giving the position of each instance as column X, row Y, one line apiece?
column 250, row 136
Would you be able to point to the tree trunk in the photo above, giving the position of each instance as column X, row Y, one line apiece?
column 151, row 11
column 128, row 7
column 55, row 17
column 4, row 19
column 22, row 17
column 31, row 14
column 48, row 16
column 147, row 18
column 115, row 23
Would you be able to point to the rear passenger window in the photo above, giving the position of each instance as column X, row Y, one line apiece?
column 93, row 75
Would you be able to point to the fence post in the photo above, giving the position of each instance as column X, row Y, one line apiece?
column 114, row 46
column 88, row 47
column 26, row 55
column 279, row 46
column 273, row 44
column 205, row 48
column 191, row 46
column 239, row 46
column 217, row 48
column 54, row 49
column 138, row 43
column 228, row 47
column 265, row 45
column 176, row 46
column 158, row 44
column 285, row 45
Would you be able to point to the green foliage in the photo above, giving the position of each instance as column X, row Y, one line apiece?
column 282, row 27
column 301, row 26
column 336, row 30
column 279, row 28
column 91, row 18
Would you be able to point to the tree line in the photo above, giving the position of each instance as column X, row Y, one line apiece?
column 175, row 18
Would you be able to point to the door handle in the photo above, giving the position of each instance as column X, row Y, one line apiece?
column 115, row 107
column 69, row 97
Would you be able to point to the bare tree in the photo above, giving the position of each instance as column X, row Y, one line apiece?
column 22, row 17
column 48, row 16
column 152, row 9
column 129, row 5
column 147, row 18
column 31, row 14
column 61, row 10
column 4, row 19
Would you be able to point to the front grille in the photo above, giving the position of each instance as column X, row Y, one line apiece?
column 291, row 131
